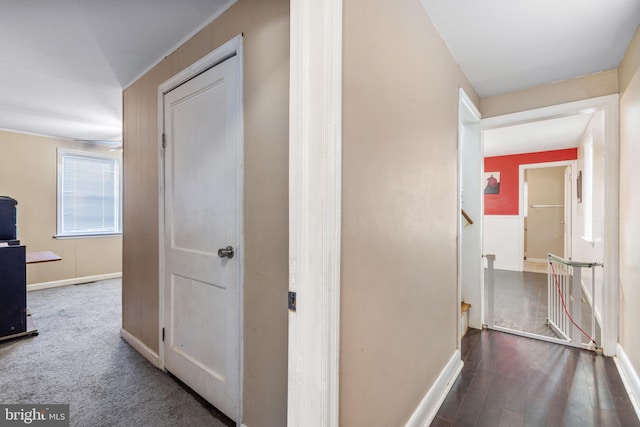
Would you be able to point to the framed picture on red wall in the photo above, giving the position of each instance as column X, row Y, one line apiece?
column 492, row 183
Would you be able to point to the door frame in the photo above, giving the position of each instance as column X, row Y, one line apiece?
column 231, row 48
column 574, row 166
column 468, row 116
column 608, row 105
column 315, row 192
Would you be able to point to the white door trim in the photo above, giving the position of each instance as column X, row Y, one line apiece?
column 466, row 108
column 468, row 103
column 609, row 105
column 521, row 168
column 230, row 48
column 315, row 146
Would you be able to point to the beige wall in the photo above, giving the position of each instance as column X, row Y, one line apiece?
column 576, row 89
column 399, row 210
column 265, row 25
column 544, row 228
column 628, row 68
column 630, row 202
column 29, row 175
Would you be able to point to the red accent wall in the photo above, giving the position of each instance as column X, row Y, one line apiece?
column 506, row 203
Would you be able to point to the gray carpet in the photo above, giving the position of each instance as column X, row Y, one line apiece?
column 79, row 359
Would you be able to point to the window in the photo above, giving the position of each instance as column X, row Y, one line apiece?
column 587, row 191
column 89, row 201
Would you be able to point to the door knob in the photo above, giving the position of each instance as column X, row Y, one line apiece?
column 226, row 252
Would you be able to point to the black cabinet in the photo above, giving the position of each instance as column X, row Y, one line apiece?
column 13, row 290
column 8, row 218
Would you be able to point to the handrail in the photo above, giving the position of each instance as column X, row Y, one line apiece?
column 572, row 263
column 467, row 217
column 546, row 206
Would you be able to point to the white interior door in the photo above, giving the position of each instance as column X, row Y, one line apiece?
column 203, row 187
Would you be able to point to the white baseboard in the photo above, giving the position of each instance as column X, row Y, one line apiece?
column 140, row 347
column 74, row 281
column 587, row 294
column 508, row 267
column 629, row 378
column 464, row 323
column 431, row 402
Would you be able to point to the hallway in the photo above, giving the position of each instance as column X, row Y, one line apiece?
column 513, row 381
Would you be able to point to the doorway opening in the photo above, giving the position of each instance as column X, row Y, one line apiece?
column 521, row 298
column 573, row 222
column 547, row 210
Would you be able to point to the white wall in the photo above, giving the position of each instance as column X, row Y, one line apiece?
column 583, row 250
column 502, row 237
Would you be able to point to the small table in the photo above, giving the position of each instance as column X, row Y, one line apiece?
column 36, row 257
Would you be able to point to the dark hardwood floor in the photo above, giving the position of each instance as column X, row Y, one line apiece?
column 513, row 381
column 520, row 304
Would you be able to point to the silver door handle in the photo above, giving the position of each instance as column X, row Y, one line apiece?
column 226, row 252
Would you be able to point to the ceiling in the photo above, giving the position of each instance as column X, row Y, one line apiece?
column 508, row 45
column 547, row 135
column 505, row 45
column 64, row 63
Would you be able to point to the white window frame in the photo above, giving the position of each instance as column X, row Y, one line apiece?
column 587, row 190
column 61, row 233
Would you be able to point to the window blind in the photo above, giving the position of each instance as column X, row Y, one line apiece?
column 89, row 195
